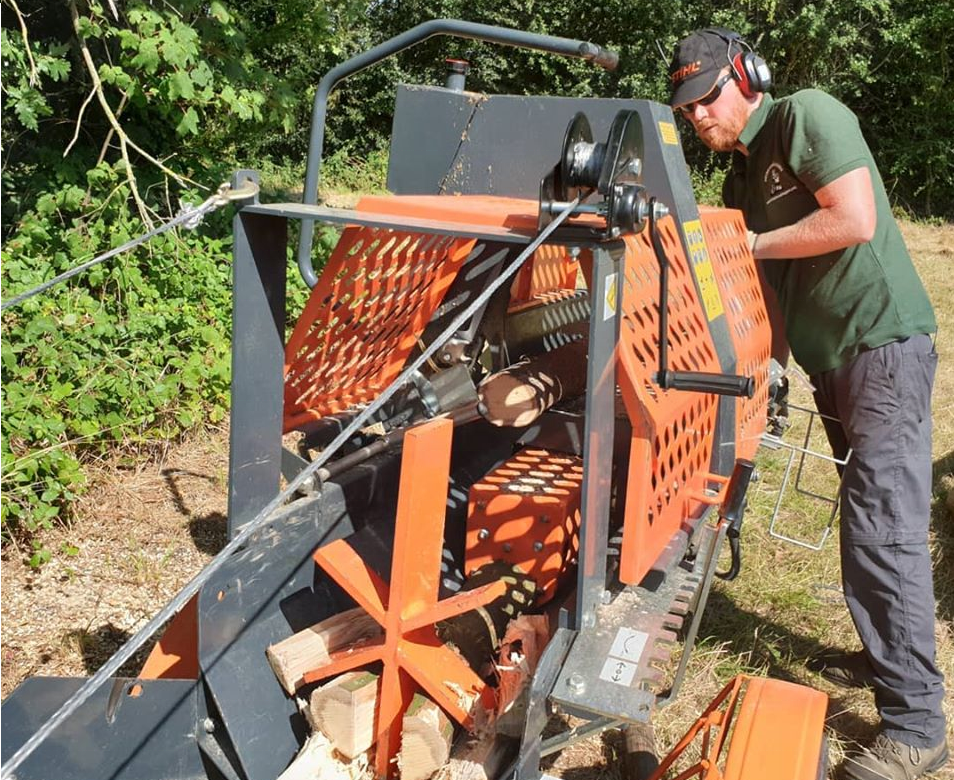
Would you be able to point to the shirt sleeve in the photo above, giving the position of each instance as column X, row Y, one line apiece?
column 823, row 140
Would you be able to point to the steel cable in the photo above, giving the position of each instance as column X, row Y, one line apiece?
column 189, row 216
column 192, row 587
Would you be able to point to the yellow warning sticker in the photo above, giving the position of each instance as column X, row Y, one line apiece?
column 668, row 132
column 699, row 256
column 611, row 297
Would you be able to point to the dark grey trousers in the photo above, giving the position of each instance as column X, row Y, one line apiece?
column 883, row 401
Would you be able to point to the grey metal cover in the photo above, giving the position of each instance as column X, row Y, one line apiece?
column 446, row 142
column 151, row 737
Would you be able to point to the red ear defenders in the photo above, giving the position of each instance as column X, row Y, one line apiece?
column 748, row 68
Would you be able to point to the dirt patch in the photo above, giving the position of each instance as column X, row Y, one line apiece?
column 141, row 533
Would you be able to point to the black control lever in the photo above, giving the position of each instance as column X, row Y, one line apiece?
column 694, row 381
column 732, row 512
column 702, row 382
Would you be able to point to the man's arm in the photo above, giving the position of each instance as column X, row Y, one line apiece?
column 845, row 216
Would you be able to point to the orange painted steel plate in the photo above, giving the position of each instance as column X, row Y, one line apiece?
column 527, row 513
column 754, row 729
column 550, row 271
column 749, row 326
column 176, row 654
column 373, row 300
column 778, row 732
column 673, row 431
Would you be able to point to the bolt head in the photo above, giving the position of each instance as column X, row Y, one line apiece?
column 483, row 534
column 537, row 546
column 209, row 725
column 576, row 683
column 507, row 547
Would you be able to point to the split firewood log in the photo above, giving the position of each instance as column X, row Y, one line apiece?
column 518, row 395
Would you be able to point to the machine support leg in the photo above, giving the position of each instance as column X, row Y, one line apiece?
column 258, row 360
column 606, row 292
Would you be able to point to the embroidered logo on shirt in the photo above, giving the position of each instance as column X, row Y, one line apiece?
column 775, row 187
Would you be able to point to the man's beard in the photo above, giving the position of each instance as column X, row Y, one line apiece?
column 722, row 136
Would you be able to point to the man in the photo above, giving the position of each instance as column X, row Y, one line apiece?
column 858, row 321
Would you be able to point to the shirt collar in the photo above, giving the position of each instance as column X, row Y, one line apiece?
column 750, row 132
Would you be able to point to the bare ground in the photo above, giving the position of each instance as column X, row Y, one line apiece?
column 143, row 530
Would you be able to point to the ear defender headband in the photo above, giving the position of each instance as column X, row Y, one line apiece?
column 748, row 68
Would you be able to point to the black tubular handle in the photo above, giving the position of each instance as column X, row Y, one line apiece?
column 692, row 381
column 702, row 382
column 733, row 505
column 732, row 511
column 567, row 47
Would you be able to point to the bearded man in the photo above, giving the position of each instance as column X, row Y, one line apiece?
column 858, row 320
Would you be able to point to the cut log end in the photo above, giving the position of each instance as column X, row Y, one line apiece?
column 343, row 710
column 426, row 738
column 310, row 648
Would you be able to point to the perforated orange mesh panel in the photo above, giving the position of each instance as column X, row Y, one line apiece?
column 673, row 431
column 527, row 512
column 377, row 292
column 748, row 322
column 550, row 271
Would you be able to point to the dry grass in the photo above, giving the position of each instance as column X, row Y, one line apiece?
column 143, row 532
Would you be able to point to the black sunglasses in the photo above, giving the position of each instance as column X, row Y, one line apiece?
column 710, row 98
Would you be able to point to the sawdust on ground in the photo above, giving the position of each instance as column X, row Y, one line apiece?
column 141, row 533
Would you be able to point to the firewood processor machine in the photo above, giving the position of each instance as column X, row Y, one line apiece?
column 529, row 383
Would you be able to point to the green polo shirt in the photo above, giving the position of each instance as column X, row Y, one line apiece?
column 841, row 303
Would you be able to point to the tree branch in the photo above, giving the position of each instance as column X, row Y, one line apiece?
column 109, row 136
column 98, row 90
column 79, row 121
column 125, row 143
column 34, row 78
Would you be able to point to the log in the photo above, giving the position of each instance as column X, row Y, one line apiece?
column 309, row 649
column 518, row 395
column 317, row 761
column 476, row 634
column 426, row 737
column 343, row 710
column 520, row 651
column 482, row 759
column 639, row 755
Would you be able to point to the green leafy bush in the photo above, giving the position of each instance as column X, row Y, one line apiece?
column 133, row 352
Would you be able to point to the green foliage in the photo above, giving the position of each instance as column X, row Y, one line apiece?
column 342, row 170
column 136, row 350
column 23, row 87
column 889, row 61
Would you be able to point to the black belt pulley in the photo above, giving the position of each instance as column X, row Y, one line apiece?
column 613, row 169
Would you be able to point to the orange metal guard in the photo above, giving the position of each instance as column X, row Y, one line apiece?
column 408, row 608
column 755, row 729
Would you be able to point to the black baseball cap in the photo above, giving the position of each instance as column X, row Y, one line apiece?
column 697, row 62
